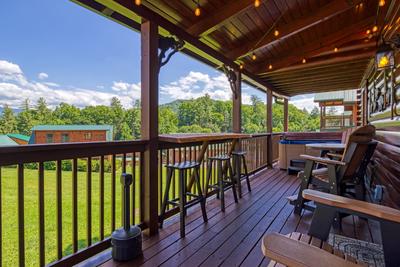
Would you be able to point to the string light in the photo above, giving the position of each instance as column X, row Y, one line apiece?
column 368, row 31
column 270, row 67
column 375, row 28
column 276, row 33
column 197, row 11
column 241, row 66
column 257, row 3
column 304, row 61
column 335, row 49
column 381, row 3
column 138, row 2
column 253, row 56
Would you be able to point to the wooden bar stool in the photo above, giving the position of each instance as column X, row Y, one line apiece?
column 238, row 158
column 224, row 181
column 181, row 201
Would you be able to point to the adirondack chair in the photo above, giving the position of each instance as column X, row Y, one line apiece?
column 344, row 176
column 291, row 251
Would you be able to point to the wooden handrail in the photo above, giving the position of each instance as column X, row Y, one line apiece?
column 51, row 152
column 371, row 209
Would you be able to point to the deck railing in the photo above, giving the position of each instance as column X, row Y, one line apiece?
column 59, row 203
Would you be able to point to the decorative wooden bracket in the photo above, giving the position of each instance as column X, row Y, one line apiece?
column 166, row 44
column 232, row 78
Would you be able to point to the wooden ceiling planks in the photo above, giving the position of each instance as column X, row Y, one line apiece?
column 308, row 28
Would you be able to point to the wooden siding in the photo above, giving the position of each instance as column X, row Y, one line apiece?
column 74, row 136
column 381, row 90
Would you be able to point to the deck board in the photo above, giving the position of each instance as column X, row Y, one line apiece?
column 233, row 238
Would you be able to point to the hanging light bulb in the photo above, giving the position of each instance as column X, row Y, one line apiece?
column 335, row 49
column 381, row 2
column 304, row 61
column 253, row 56
column 270, row 67
column 241, row 66
column 138, row 2
column 375, row 28
column 276, row 32
column 197, row 11
column 368, row 31
column 257, row 3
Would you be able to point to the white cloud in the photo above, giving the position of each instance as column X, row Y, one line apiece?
column 43, row 76
column 304, row 101
column 197, row 84
column 15, row 88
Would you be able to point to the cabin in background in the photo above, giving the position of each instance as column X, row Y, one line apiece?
column 47, row 134
column 334, row 122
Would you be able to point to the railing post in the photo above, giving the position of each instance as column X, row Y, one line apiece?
column 285, row 115
column 149, row 120
column 237, row 105
column 269, row 128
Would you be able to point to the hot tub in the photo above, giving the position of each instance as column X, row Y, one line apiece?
column 293, row 145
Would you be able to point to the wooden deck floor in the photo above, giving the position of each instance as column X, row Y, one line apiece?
column 233, row 238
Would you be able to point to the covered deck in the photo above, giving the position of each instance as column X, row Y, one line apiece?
column 284, row 49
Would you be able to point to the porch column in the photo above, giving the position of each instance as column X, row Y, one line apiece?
column 237, row 105
column 269, row 128
column 285, row 115
column 149, row 127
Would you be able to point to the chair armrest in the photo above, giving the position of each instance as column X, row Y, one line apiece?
column 334, row 155
column 325, row 161
column 371, row 209
column 292, row 252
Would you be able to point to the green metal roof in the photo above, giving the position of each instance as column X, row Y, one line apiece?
column 7, row 141
column 19, row 136
column 348, row 96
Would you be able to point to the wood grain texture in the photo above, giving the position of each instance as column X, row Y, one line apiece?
column 191, row 138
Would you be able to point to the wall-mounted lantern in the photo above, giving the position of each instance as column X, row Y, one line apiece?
column 384, row 58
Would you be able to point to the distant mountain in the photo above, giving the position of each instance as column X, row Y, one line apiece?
column 174, row 105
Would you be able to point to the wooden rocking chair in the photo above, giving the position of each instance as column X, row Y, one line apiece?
column 344, row 176
column 295, row 250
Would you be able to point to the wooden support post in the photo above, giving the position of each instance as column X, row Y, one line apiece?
column 149, row 128
column 365, row 104
column 285, row 115
column 269, row 128
column 237, row 105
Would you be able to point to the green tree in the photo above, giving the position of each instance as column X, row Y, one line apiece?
column 168, row 120
column 8, row 123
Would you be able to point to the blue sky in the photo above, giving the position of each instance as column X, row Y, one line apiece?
column 66, row 53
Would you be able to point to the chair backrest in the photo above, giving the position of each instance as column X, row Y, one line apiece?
column 358, row 152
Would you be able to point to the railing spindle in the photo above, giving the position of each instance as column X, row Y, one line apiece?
column 1, row 220
column 113, row 176
column 133, row 187
column 41, row 215
column 75, row 205
column 21, row 221
column 101, row 188
column 89, row 201
column 59, row 209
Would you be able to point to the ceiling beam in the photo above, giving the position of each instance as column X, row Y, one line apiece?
column 306, row 79
column 211, row 22
column 327, row 69
column 354, row 32
column 363, row 55
column 313, row 18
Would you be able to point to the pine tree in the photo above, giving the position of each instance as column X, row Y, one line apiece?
column 8, row 123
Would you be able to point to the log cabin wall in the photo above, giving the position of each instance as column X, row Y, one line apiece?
column 381, row 107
